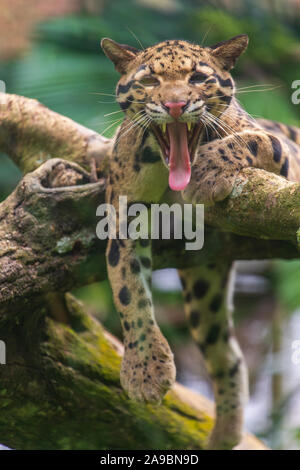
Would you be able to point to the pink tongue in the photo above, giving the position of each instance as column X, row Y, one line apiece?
column 180, row 167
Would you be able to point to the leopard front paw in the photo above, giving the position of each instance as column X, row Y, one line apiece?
column 147, row 375
column 209, row 189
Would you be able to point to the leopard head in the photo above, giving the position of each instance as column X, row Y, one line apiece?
column 176, row 89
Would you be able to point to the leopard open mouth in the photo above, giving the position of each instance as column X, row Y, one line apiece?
column 178, row 141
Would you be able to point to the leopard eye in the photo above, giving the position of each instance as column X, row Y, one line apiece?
column 198, row 77
column 149, row 81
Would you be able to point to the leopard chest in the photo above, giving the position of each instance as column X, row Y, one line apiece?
column 140, row 173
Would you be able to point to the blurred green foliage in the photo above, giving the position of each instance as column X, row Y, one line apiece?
column 286, row 280
column 270, row 40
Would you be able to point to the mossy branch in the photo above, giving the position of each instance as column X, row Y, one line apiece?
column 60, row 389
column 48, row 241
column 262, row 205
column 31, row 134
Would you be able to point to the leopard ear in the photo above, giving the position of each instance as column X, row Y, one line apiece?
column 120, row 54
column 228, row 52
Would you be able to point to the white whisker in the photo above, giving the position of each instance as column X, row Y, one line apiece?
column 136, row 38
column 131, row 125
column 114, row 112
column 111, row 125
column 256, row 85
column 228, row 130
column 106, row 102
column 102, row 94
column 257, row 91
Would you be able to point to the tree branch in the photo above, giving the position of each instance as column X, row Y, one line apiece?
column 47, row 234
column 48, row 241
column 60, row 389
column 31, row 134
column 262, row 205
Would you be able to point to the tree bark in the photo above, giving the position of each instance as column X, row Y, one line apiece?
column 48, row 241
column 31, row 134
column 60, row 389
column 262, row 205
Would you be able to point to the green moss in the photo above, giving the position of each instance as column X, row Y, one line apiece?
column 66, row 244
column 70, row 398
column 238, row 188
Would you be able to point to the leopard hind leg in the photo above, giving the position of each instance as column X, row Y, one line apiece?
column 210, row 321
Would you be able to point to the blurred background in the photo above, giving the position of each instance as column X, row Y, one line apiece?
column 50, row 51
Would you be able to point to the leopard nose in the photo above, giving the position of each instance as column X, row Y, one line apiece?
column 175, row 108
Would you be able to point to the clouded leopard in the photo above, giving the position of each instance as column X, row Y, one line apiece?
column 184, row 129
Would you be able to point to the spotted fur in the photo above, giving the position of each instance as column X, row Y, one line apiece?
column 224, row 139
